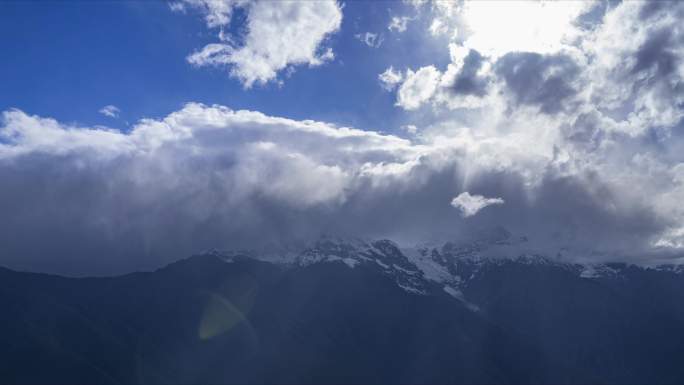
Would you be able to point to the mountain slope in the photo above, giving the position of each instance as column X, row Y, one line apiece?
column 348, row 312
column 204, row 320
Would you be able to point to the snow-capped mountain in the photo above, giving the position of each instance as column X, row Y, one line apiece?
column 438, row 266
column 350, row 311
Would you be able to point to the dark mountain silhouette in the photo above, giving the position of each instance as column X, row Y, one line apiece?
column 346, row 314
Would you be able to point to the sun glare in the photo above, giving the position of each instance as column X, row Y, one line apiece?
column 497, row 27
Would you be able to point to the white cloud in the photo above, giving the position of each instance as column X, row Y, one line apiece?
column 410, row 128
column 673, row 239
column 217, row 13
column 464, row 84
column 370, row 39
column 398, row 23
column 438, row 27
column 445, row 17
column 390, row 78
column 279, row 35
column 470, row 205
column 110, row 110
column 637, row 66
column 626, row 70
column 314, row 159
column 418, row 87
column 177, row 6
column 200, row 177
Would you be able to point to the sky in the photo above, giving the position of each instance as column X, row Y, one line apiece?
column 135, row 133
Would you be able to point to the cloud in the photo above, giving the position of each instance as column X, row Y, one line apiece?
column 217, row 13
column 390, row 78
column 546, row 81
column 438, row 27
column 467, row 81
column 110, row 110
column 398, row 23
column 462, row 85
column 410, row 128
column 370, row 39
column 208, row 176
column 279, row 35
column 637, row 68
column 603, row 57
column 418, row 87
column 445, row 15
column 470, row 205
column 202, row 176
column 177, row 6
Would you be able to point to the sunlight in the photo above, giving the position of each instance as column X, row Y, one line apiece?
column 497, row 27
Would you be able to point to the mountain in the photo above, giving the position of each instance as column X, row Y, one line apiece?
column 349, row 311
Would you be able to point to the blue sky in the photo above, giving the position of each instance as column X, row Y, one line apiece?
column 69, row 59
column 134, row 133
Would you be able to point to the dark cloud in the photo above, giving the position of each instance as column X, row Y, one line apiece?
column 652, row 8
column 546, row 81
column 656, row 53
column 585, row 132
column 594, row 16
column 656, row 66
column 467, row 82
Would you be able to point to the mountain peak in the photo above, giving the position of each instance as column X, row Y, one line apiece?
column 445, row 267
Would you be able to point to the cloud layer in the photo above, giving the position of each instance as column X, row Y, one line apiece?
column 80, row 200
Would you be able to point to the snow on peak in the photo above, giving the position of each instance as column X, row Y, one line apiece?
column 448, row 267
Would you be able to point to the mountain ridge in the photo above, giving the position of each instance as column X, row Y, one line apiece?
column 450, row 264
column 345, row 313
